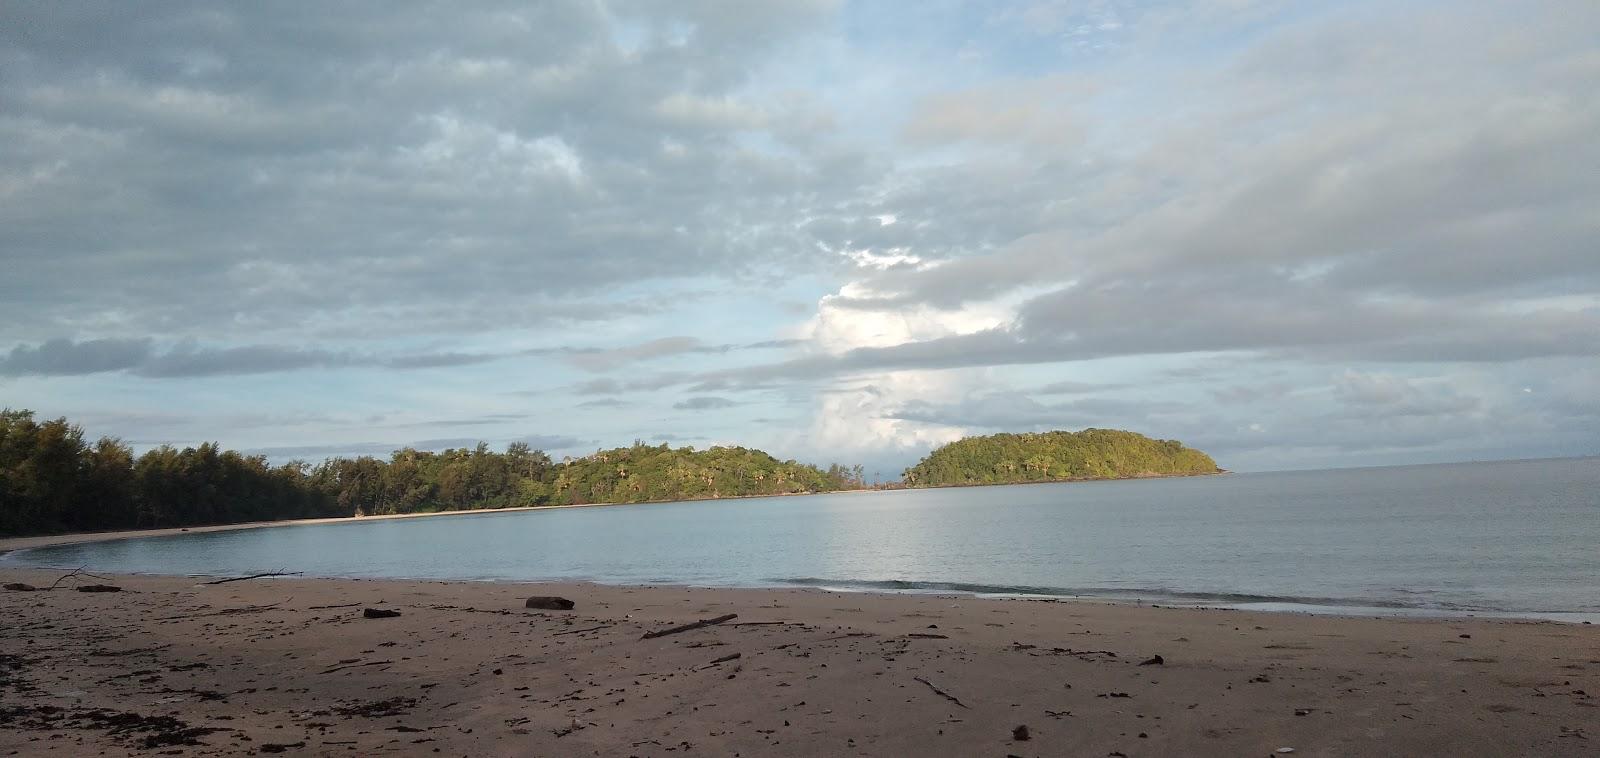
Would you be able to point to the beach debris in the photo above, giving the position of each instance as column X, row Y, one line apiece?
column 378, row 613
column 1284, row 750
column 1303, row 711
column 20, row 587
column 725, row 659
column 99, row 588
column 280, row 747
column 1056, row 714
column 1113, row 694
column 350, row 664
column 1020, row 733
column 924, row 636
column 279, row 572
column 378, row 709
column 690, row 626
column 942, row 693
column 73, row 575
column 1154, row 661
column 549, row 603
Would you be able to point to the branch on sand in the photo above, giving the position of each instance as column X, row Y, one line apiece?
column 279, row 572
column 942, row 693
column 688, row 627
column 74, row 574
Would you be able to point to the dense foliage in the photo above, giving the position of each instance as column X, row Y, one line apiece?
column 1056, row 456
column 52, row 480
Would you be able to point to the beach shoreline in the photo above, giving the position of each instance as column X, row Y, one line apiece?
column 467, row 669
column 26, row 542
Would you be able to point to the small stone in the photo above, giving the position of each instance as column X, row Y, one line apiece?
column 1020, row 733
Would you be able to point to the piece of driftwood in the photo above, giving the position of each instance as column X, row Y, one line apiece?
column 79, row 571
column 379, row 613
column 353, row 665
column 255, row 576
column 20, row 587
column 99, row 588
column 942, row 693
column 923, row 636
column 726, row 658
column 689, row 627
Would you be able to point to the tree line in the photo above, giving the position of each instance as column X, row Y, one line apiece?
column 53, row 480
column 1056, row 456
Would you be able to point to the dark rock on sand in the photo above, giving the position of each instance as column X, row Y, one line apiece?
column 378, row 613
column 20, row 587
column 550, row 603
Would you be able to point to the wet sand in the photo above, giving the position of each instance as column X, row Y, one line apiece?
column 292, row 666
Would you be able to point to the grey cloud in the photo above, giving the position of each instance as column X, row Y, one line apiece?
column 592, row 359
column 1069, row 387
column 63, row 357
column 140, row 357
column 1015, row 412
column 453, row 169
column 705, row 403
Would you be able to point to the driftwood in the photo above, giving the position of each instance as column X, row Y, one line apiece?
column 325, row 607
column 725, row 659
column 922, row 636
column 20, row 587
column 255, row 576
column 99, row 588
column 942, row 693
column 79, row 571
column 353, row 665
column 378, row 613
column 689, row 627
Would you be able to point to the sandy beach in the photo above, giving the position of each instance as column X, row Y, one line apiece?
column 169, row 666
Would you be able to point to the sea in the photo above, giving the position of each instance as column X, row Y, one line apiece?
column 1510, row 538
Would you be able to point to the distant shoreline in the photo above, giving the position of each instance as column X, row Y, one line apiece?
column 10, row 544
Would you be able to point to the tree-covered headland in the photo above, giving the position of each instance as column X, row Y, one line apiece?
column 1056, row 456
column 52, row 479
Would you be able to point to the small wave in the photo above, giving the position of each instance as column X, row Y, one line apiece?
column 1149, row 594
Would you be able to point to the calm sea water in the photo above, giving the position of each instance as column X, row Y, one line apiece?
column 1521, row 538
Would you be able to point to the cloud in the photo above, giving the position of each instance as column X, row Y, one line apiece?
column 704, row 403
column 63, row 357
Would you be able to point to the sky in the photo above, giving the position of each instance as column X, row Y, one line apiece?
column 1291, row 234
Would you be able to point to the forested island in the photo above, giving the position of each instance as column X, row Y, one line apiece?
column 53, row 480
column 1056, row 456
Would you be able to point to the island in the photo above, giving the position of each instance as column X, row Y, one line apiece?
column 1056, row 457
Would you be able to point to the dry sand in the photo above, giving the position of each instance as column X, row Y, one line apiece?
column 290, row 665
